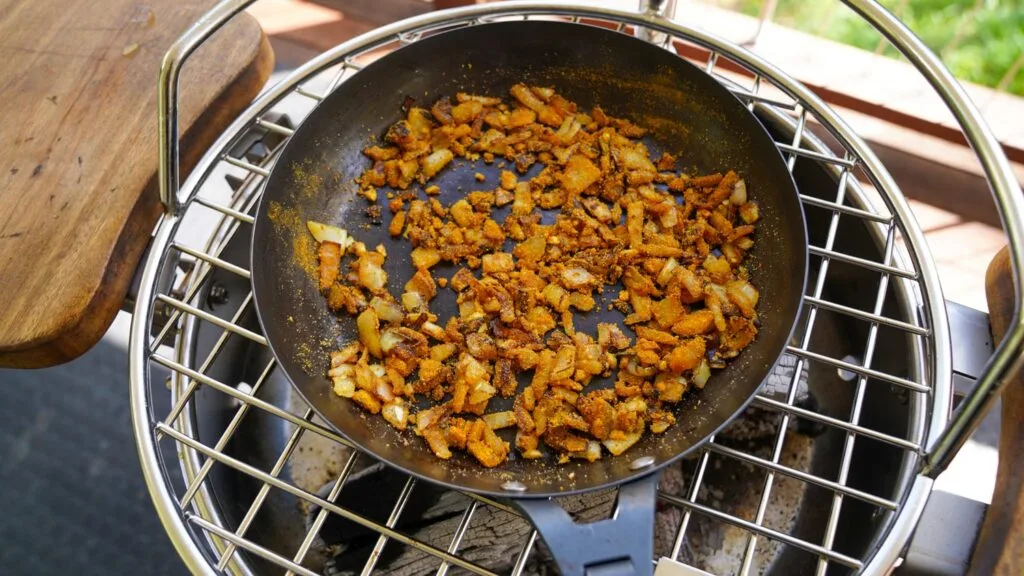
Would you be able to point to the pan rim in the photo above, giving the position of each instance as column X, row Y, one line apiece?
column 803, row 254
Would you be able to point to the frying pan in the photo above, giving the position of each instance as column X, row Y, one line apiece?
column 689, row 114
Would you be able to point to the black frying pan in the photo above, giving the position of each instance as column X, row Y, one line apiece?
column 690, row 115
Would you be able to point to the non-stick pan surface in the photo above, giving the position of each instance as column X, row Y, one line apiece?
column 689, row 114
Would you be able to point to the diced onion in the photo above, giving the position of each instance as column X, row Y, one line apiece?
column 369, row 331
column 428, row 418
column 499, row 420
column 371, row 275
column 574, row 278
column 433, row 330
column 482, row 391
column 387, row 310
column 396, row 414
column 617, row 447
column 667, row 271
column 413, row 301
column 425, row 257
column 388, row 340
column 739, row 193
column 344, row 371
column 382, row 390
column 633, row 367
column 328, row 233
column 701, row 374
column 344, row 387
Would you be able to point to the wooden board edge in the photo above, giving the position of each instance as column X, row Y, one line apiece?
column 1000, row 545
column 80, row 332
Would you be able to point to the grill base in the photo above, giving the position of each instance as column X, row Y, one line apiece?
column 873, row 339
column 494, row 537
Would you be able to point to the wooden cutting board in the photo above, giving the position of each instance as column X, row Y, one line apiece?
column 78, row 136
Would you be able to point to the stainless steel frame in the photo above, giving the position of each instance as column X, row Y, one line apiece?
column 207, row 545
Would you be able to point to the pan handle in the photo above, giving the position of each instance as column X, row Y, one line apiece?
column 622, row 545
column 167, row 98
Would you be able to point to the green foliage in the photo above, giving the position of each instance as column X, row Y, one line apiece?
column 979, row 40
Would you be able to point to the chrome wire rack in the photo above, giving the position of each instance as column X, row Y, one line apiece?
column 180, row 460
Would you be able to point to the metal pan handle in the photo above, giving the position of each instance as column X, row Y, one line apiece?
column 167, row 100
column 622, row 545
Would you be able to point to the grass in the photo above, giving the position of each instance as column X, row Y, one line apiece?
column 981, row 41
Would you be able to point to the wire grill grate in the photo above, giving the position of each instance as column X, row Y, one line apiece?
column 766, row 91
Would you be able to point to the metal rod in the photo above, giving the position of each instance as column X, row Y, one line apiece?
column 766, row 402
column 167, row 96
column 215, row 261
column 884, row 268
column 752, row 98
column 246, row 165
column 794, row 382
column 318, row 501
column 274, row 127
column 862, row 370
column 798, row 136
column 803, row 476
column 1009, row 200
column 211, row 357
column 212, row 319
column 695, row 484
column 658, row 9
column 225, row 210
column 197, row 283
column 858, row 402
column 308, row 94
column 494, row 503
column 225, row 437
column 382, row 540
column 275, row 471
column 524, row 554
column 850, row 210
column 820, row 157
column 250, row 546
column 869, row 316
column 460, row 531
column 257, row 402
column 766, row 532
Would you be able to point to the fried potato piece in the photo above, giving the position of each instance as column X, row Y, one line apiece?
column 329, row 254
column 486, row 446
column 580, row 173
column 687, row 355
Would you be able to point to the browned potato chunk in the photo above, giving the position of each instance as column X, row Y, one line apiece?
column 433, row 163
column 687, row 355
column 695, row 323
column 463, row 214
column 366, row 401
column 545, row 113
column 580, row 173
column 425, row 257
column 467, row 112
column 499, row 262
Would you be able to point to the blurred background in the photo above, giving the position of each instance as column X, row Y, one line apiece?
column 980, row 41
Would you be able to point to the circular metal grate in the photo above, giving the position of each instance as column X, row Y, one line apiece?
column 873, row 328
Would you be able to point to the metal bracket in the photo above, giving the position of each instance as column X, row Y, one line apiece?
column 945, row 537
column 620, row 546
